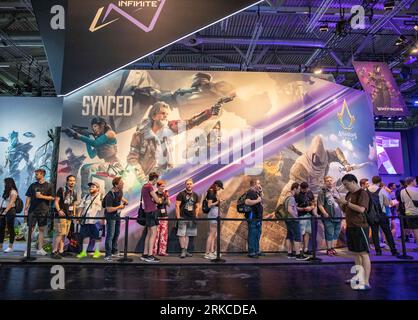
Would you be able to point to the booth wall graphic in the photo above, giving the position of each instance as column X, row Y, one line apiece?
column 277, row 127
column 389, row 153
column 379, row 84
column 29, row 129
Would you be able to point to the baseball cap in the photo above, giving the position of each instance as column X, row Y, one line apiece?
column 94, row 184
column 219, row 183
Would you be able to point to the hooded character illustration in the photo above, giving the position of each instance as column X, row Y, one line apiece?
column 313, row 165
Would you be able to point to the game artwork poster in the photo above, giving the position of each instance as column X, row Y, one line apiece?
column 232, row 126
column 29, row 129
column 379, row 84
column 389, row 152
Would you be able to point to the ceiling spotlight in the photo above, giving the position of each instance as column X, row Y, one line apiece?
column 401, row 40
column 317, row 71
column 323, row 28
column 389, row 5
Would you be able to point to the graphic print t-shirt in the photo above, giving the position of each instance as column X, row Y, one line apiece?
column 188, row 204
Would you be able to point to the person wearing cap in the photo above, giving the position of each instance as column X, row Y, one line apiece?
column 38, row 199
column 102, row 143
column 214, row 202
column 91, row 207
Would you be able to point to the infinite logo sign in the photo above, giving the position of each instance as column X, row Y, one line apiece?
column 136, row 6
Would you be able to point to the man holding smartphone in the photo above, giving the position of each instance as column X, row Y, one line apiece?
column 38, row 199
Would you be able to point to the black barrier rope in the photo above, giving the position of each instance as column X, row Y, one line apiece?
column 219, row 220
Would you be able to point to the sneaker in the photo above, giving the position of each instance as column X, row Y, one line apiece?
column 151, row 259
column 82, row 255
column 97, row 255
column 155, row 258
column 255, row 256
column 261, row 254
column 108, row 259
column 330, row 253
column 334, row 252
column 41, row 252
column 183, row 253
column 55, row 255
column 215, row 254
column 301, row 257
column 291, row 256
column 144, row 257
column 308, row 253
column 188, row 254
column 363, row 288
column 66, row 254
column 210, row 256
column 8, row 250
column 25, row 254
column 117, row 255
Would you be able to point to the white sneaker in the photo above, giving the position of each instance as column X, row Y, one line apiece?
column 41, row 252
column 8, row 250
column 209, row 256
column 214, row 254
column 25, row 254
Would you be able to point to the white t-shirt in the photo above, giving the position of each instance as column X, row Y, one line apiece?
column 6, row 202
column 410, row 209
column 94, row 210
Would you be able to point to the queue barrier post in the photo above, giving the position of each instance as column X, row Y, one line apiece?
column 125, row 247
column 314, row 258
column 218, row 241
column 403, row 256
column 28, row 257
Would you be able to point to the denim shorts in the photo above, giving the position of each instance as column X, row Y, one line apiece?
column 91, row 231
column 213, row 213
column 332, row 229
column 186, row 228
column 293, row 231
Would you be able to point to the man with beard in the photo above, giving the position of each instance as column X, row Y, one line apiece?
column 151, row 149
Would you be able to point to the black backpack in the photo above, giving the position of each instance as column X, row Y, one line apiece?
column 205, row 206
column 18, row 205
column 241, row 206
column 374, row 211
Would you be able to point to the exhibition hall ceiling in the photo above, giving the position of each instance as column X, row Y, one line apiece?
column 278, row 35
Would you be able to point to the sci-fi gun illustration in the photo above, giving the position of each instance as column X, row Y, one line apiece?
column 75, row 131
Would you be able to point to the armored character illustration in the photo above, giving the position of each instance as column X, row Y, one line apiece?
column 100, row 143
column 16, row 153
column 151, row 148
column 73, row 163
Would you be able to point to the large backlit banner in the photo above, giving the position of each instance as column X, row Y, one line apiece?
column 389, row 152
column 231, row 126
column 88, row 39
column 28, row 131
column 378, row 82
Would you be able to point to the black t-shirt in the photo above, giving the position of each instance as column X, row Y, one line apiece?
column 113, row 199
column 67, row 199
column 39, row 206
column 211, row 195
column 304, row 200
column 162, row 207
column 257, row 209
column 188, row 203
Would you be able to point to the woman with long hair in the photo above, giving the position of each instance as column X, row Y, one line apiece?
column 213, row 203
column 8, row 212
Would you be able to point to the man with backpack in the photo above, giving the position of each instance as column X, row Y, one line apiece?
column 113, row 203
column 254, row 199
column 381, row 200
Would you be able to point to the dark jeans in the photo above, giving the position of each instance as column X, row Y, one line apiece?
column 254, row 236
column 385, row 225
column 9, row 220
column 112, row 233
